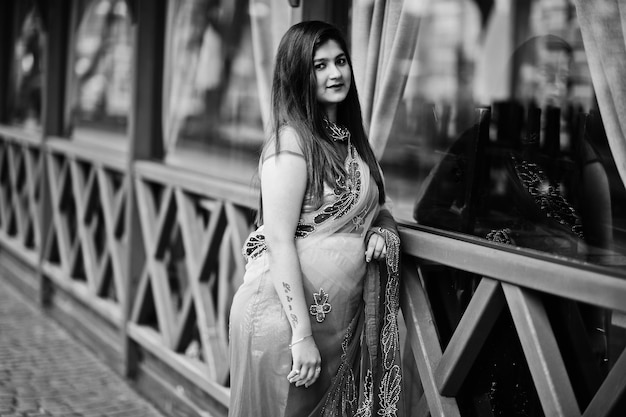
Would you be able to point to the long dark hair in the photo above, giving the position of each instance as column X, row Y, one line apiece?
column 295, row 104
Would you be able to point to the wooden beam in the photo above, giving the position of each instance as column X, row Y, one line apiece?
column 424, row 340
column 145, row 122
column 611, row 390
column 54, row 123
column 542, row 352
column 468, row 339
column 526, row 268
column 149, row 23
column 54, row 111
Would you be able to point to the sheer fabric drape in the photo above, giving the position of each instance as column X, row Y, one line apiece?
column 384, row 37
column 185, row 45
column 269, row 19
column 603, row 27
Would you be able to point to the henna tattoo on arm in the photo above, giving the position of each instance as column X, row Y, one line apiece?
column 293, row 317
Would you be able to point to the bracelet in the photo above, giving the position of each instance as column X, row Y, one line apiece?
column 298, row 341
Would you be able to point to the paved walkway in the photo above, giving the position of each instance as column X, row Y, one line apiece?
column 45, row 372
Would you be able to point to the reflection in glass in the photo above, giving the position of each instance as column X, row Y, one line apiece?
column 211, row 99
column 500, row 137
column 544, row 177
column 26, row 72
column 102, row 66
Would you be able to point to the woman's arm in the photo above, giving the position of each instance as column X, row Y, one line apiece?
column 283, row 184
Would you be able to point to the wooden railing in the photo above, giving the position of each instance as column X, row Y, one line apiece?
column 518, row 282
column 193, row 230
column 191, row 233
column 85, row 252
column 20, row 193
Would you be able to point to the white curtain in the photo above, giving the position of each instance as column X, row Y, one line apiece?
column 384, row 37
column 185, row 40
column 603, row 27
column 492, row 82
column 270, row 20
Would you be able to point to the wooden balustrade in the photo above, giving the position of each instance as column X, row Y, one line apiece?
column 527, row 284
column 192, row 230
column 85, row 253
column 20, row 194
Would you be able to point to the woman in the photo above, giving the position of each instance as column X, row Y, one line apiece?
column 314, row 325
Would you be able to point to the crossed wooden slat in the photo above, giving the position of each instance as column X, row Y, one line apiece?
column 153, row 221
column 113, row 208
column 58, row 172
column 210, row 230
column 19, row 216
column 203, row 245
column 443, row 373
column 83, row 188
column 34, row 169
column 16, row 216
column 90, row 189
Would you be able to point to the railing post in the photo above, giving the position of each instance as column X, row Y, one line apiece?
column 149, row 17
column 57, row 25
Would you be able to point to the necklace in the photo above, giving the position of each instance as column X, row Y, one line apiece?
column 336, row 132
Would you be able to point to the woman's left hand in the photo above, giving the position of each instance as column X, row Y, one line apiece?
column 375, row 247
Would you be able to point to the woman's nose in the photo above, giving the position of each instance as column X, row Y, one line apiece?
column 334, row 71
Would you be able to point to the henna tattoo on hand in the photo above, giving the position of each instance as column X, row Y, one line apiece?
column 287, row 287
column 294, row 320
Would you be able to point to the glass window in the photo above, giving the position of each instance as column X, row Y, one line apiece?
column 544, row 176
column 102, row 67
column 25, row 94
column 498, row 135
column 211, row 101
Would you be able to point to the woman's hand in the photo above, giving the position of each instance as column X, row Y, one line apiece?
column 306, row 363
column 376, row 246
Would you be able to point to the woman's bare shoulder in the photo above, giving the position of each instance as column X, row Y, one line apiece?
column 289, row 140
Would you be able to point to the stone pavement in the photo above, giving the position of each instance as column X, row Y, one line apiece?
column 45, row 372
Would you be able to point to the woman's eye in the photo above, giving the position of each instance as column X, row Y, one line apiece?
column 319, row 66
column 342, row 61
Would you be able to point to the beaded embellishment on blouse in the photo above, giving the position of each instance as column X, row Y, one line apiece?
column 348, row 191
column 255, row 244
column 547, row 196
column 337, row 133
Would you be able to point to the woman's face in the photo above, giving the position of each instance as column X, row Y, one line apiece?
column 333, row 75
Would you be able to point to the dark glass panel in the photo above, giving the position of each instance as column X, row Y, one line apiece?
column 25, row 94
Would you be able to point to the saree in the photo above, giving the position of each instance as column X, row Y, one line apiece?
column 353, row 312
